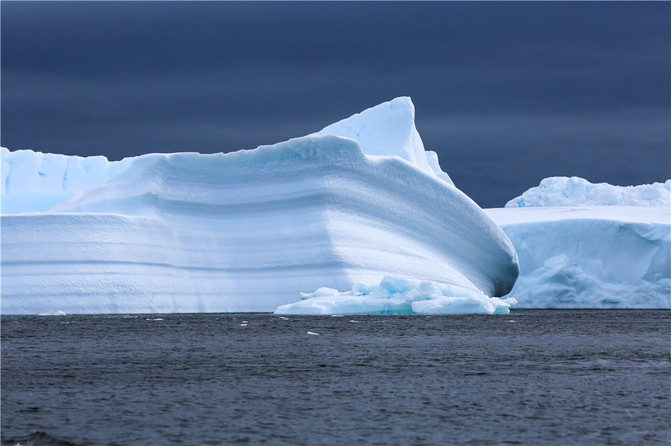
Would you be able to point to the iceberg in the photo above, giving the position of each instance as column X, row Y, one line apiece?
column 595, row 250
column 246, row 231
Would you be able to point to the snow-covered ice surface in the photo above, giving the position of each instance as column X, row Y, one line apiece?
column 576, row 191
column 395, row 295
column 35, row 182
column 590, row 256
column 250, row 230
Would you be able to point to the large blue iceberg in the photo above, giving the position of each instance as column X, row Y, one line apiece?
column 352, row 204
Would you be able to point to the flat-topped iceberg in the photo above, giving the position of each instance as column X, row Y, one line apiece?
column 250, row 230
column 606, row 255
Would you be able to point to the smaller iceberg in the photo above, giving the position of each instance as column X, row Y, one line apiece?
column 57, row 313
column 584, row 245
column 396, row 295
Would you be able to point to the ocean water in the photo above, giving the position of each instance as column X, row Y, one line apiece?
column 531, row 377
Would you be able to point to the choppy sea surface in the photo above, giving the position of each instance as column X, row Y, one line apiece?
column 531, row 377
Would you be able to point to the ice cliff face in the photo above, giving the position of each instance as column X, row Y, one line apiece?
column 580, row 247
column 249, row 230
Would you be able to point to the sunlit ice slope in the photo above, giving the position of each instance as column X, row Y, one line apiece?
column 249, row 230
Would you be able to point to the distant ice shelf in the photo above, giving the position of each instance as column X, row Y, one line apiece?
column 243, row 231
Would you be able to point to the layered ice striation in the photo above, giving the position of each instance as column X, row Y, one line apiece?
column 576, row 191
column 249, row 230
column 598, row 256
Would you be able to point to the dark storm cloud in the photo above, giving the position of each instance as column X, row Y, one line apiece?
column 505, row 93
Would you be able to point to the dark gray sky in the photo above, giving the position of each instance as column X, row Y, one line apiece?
column 506, row 93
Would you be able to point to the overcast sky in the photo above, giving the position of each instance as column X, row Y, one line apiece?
column 506, row 93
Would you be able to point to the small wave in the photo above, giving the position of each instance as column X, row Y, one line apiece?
column 38, row 438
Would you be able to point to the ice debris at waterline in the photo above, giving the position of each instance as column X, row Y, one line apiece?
column 395, row 295
column 598, row 256
column 245, row 231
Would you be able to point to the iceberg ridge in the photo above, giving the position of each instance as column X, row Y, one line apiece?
column 576, row 191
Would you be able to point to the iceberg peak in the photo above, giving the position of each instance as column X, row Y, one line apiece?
column 388, row 129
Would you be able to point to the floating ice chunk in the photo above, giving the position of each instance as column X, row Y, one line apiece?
column 575, row 191
column 56, row 313
column 397, row 295
column 464, row 305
